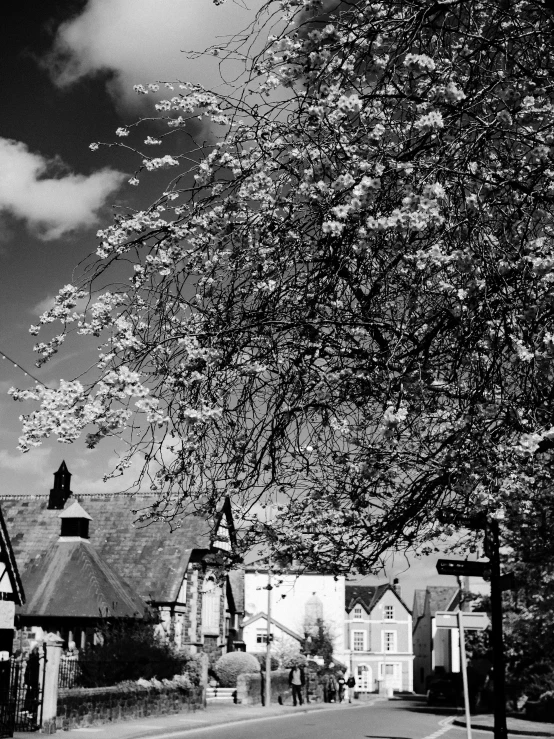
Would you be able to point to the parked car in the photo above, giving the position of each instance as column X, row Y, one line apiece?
column 445, row 690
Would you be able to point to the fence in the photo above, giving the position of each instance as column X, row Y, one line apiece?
column 87, row 673
column 21, row 693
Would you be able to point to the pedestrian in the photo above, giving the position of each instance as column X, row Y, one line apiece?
column 297, row 680
column 325, row 686
column 332, row 689
column 31, row 680
column 341, row 682
column 350, row 685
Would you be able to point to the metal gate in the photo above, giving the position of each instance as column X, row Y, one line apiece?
column 21, row 693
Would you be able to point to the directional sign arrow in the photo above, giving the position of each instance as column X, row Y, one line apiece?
column 462, row 567
column 472, row 620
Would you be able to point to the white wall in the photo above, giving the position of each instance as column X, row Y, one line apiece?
column 289, row 597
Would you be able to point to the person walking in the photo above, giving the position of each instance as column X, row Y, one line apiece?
column 350, row 684
column 341, row 682
column 297, row 680
column 332, row 688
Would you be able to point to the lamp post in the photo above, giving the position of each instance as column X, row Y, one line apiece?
column 269, row 588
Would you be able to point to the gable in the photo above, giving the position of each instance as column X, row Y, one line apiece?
column 150, row 556
column 11, row 587
column 260, row 619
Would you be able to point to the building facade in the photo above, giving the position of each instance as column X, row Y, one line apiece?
column 435, row 650
column 378, row 636
column 298, row 600
column 168, row 567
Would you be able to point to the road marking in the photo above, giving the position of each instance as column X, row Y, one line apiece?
column 445, row 725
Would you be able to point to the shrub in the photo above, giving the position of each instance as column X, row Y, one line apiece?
column 130, row 651
column 229, row 666
column 261, row 661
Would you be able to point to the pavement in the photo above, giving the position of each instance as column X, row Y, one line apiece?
column 213, row 715
column 516, row 726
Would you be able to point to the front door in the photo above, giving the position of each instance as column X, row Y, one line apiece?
column 364, row 679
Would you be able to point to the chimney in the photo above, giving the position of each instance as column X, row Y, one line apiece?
column 75, row 522
column 61, row 490
column 396, row 587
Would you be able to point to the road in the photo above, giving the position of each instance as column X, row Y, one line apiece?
column 383, row 719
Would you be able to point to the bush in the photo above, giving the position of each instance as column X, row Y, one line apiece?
column 131, row 651
column 229, row 666
column 261, row 660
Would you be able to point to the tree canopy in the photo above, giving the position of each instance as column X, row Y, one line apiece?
column 343, row 305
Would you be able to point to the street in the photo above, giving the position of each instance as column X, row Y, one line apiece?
column 382, row 719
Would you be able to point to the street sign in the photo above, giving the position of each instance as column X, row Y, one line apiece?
column 461, row 567
column 472, row 620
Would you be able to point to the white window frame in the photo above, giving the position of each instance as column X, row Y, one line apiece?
column 358, row 613
column 261, row 636
column 397, row 669
column 394, row 642
column 386, row 611
column 364, row 640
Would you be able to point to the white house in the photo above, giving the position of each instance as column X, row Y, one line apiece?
column 378, row 634
column 436, row 650
column 298, row 599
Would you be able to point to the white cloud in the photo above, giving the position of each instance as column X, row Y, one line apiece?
column 35, row 462
column 140, row 41
column 51, row 203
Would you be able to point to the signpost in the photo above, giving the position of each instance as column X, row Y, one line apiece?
column 462, row 620
column 461, row 567
column 473, row 620
column 489, row 571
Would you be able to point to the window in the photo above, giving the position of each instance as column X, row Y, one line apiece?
column 389, row 641
column 358, row 613
column 358, row 641
column 261, row 636
column 388, row 614
column 211, row 609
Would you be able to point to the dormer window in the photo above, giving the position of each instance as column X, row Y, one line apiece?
column 358, row 613
column 75, row 522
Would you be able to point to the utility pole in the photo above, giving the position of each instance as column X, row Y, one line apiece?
column 492, row 539
column 269, row 588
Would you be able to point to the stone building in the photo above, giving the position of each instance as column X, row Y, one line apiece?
column 168, row 568
column 435, row 650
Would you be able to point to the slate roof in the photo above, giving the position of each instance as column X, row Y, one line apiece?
column 368, row 596
column 439, row 597
column 419, row 604
column 6, row 552
column 149, row 557
column 71, row 580
column 236, row 585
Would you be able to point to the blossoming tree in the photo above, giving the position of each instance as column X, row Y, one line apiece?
column 342, row 306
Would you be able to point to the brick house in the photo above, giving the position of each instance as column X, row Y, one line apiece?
column 168, row 568
column 435, row 650
column 378, row 635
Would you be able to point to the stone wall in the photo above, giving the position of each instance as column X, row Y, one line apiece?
column 79, row 707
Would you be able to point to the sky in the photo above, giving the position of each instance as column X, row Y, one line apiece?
column 68, row 71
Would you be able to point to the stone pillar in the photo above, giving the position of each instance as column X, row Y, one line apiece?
column 50, row 687
column 205, row 662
